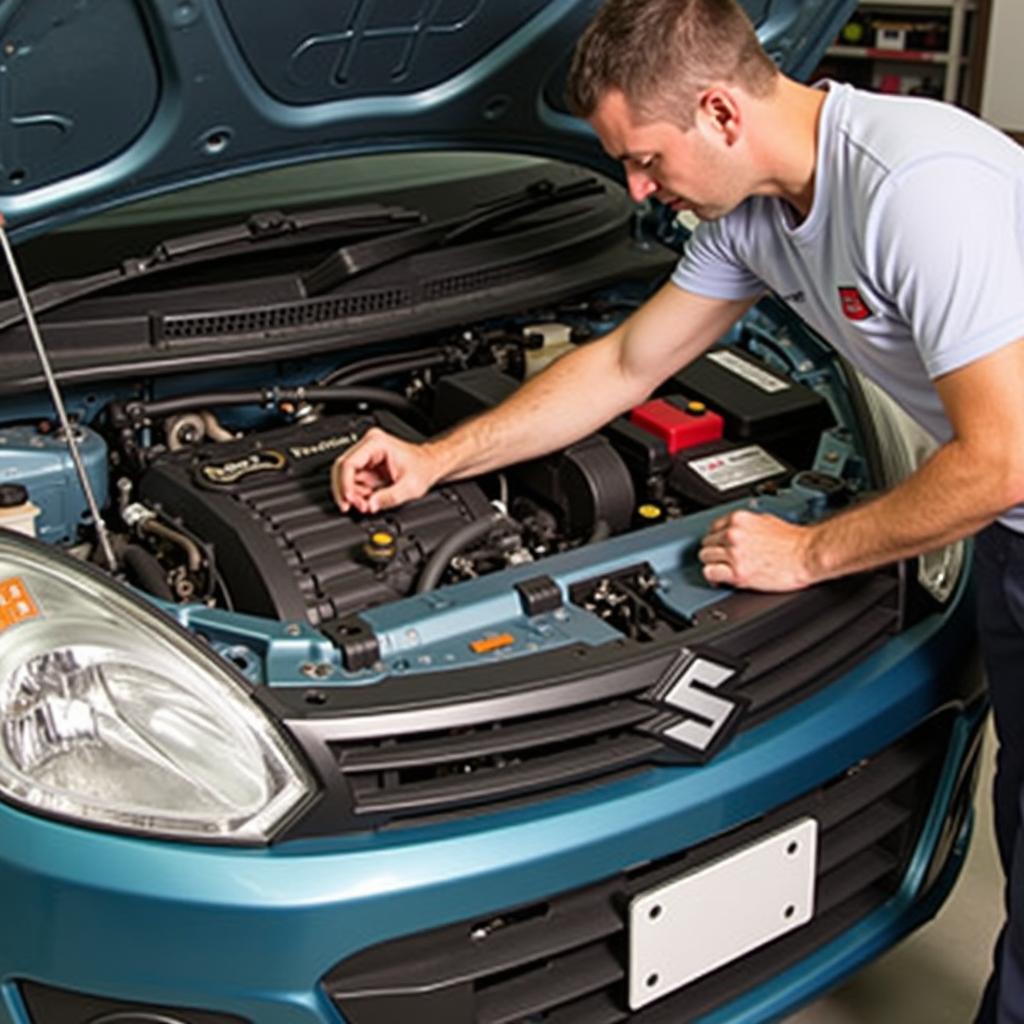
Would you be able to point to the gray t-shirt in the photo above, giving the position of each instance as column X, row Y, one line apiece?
column 911, row 260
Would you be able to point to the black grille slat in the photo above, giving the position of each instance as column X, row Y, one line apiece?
column 578, row 974
column 782, row 622
column 578, row 920
column 501, row 739
column 819, row 663
column 870, row 826
column 499, row 783
column 869, row 819
column 825, row 625
column 856, row 875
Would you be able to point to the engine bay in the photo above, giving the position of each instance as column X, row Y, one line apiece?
column 222, row 498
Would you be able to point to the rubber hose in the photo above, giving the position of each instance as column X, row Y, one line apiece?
column 369, row 369
column 145, row 570
column 189, row 403
column 453, row 544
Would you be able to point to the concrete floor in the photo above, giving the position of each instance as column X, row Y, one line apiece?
column 937, row 975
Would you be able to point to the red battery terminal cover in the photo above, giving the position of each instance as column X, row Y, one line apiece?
column 679, row 423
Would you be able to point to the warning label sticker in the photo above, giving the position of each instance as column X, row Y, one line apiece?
column 751, row 374
column 16, row 604
column 739, row 468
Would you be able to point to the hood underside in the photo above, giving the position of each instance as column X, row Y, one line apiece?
column 106, row 101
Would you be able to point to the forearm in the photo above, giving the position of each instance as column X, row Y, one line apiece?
column 572, row 398
column 952, row 495
column 585, row 389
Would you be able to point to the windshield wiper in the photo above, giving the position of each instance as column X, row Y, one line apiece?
column 270, row 228
column 360, row 257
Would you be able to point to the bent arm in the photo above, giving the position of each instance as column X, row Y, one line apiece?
column 966, row 484
column 588, row 387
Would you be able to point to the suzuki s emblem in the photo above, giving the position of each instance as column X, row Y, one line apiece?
column 698, row 715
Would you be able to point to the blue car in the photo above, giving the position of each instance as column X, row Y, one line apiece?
column 498, row 756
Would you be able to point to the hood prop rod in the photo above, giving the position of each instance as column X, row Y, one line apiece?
column 69, row 435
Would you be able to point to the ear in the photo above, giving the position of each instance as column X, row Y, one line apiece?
column 719, row 113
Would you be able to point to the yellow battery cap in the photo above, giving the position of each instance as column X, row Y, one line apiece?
column 649, row 511
column 696, row 408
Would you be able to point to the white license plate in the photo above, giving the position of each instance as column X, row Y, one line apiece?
column 686, row 928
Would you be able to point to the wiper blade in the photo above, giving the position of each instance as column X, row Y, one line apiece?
column 270, row 228
column 360, row 257
column 275, row 224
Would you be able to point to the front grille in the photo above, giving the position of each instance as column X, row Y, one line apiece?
column 563, row 960
column 793, row 645
column 484, row 764
column 794, row 649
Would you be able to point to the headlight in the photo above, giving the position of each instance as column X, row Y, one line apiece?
column 111, row 716
column 904, row 445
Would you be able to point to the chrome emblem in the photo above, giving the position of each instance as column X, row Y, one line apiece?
column 698, row 715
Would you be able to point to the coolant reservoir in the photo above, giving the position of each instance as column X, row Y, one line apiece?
column 39, row 460
column 556, row 341
column 16, row 511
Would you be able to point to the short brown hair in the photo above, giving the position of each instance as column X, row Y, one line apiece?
column 661, row 53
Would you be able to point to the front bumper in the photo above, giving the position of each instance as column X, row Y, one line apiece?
column 252, row 935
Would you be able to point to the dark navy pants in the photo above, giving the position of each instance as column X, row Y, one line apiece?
column 999, row 576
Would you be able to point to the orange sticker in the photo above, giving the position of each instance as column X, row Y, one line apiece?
column 16, row 604
column 492, row 643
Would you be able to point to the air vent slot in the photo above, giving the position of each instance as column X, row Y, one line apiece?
column 286, row 317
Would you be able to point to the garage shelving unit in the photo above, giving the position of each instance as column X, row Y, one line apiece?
column 945, row 69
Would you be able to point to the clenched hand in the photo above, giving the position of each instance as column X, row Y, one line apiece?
column 756, row 551
column 381, row 471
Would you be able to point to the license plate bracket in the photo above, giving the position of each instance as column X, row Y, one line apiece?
column 689, row 926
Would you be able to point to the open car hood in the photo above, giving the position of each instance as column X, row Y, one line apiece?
column 105, row 101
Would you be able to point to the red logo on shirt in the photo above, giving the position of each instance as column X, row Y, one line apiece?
column 854, row 306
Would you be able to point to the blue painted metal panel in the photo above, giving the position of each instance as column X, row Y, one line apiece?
column 251, row 931
column 105, row 101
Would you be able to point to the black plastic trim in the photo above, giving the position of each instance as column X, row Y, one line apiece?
column 563, row 959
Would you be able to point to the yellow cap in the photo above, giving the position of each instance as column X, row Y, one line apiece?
column 381, row 538
column 649, row 511
column 696, row 407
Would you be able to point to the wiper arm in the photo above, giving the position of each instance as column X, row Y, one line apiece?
column 360, row 257
column 268, row 228
column 275, row 224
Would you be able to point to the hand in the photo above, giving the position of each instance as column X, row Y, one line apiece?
column 381, row 471
column 756, row 551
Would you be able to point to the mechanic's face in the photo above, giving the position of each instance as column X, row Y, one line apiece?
column 697, row 169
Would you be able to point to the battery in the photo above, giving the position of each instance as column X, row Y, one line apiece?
column 758, row 403
column 724, row 471
column 679, row 422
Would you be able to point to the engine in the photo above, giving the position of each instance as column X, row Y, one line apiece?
column 243, row 518
column 263, row 507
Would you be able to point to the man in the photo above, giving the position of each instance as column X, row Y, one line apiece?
column 900, row 223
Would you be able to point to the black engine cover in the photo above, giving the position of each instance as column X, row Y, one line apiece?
column 280, row 544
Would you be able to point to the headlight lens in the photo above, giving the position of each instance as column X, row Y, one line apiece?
column 109, row 715
column 904, row 445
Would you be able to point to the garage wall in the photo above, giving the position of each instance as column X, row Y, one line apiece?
column 1002, row 98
